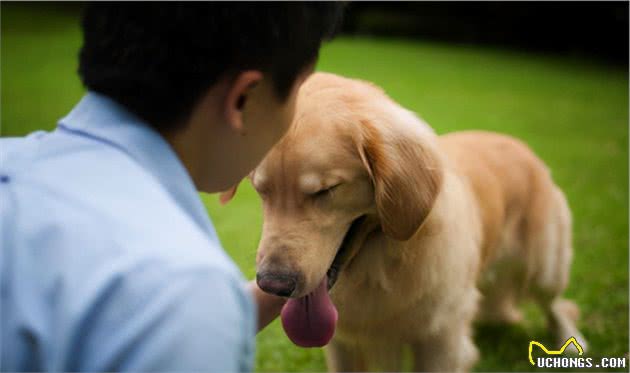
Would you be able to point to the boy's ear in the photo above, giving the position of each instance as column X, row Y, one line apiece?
column 237, row 95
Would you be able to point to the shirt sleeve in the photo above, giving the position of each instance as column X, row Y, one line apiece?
column 188, row 321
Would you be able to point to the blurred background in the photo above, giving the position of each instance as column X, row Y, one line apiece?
column 552, row 74
column 581, row 29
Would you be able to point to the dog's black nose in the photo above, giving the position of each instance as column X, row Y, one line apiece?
column 282, row 284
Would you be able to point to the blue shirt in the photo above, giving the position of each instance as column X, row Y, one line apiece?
column 108, row 259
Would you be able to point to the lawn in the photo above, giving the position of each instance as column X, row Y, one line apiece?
column 573, row 113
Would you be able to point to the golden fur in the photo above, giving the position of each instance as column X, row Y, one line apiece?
column 458, row 226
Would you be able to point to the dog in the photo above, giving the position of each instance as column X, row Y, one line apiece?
column 400, row 238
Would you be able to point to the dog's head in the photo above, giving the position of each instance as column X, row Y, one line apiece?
column 352, row 162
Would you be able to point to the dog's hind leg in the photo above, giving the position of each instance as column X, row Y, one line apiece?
column 562, row 315
column 500, row 295
column 549, row 275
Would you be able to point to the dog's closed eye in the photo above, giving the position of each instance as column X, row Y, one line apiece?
column 325, row 191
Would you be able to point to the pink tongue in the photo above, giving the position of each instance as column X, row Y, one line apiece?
column 310, row 321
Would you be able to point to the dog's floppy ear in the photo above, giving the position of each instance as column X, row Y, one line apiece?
column 226, row 196
column 406, row 174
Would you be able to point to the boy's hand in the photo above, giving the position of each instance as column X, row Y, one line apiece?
column 269, row 306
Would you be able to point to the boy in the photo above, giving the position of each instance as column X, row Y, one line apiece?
column 109, row 260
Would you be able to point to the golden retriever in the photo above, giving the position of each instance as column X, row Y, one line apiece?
column 414, row 234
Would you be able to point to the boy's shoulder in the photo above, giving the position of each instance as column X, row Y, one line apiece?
column 85, row 226
column 80, row 188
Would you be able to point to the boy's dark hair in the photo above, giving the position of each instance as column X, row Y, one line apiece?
column 157, row 59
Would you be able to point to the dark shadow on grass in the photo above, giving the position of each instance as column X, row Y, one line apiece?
column 502, row 345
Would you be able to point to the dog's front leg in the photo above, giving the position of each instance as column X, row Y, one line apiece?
column 450, row 351
column 342, row 357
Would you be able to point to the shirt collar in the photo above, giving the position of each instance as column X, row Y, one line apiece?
column 100, row 117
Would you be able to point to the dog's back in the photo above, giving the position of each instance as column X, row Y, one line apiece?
column 511, row 185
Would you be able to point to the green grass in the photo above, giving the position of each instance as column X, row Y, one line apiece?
column 573, row 113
